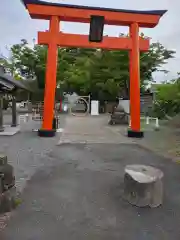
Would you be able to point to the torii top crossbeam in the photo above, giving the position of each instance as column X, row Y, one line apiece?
column 56, row 13
column 73, row 13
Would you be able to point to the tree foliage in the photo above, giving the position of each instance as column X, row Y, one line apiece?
column 168, row 99
column 104, row 74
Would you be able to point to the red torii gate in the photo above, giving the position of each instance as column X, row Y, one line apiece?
column 54, row 37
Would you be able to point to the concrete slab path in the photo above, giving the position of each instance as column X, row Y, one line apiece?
column 92, row 129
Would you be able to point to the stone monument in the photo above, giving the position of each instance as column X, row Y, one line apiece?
column 7, row 186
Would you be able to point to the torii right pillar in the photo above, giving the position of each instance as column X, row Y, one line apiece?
column 135, row 128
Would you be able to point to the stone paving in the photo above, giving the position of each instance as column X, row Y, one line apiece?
column 92, row 129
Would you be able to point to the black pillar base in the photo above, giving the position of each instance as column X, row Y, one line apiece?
column 13, row 125
column 1, row 129
column 135, row 134
column 46, row 133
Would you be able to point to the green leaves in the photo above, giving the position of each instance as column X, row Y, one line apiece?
column 168, row 98
column 103, row 73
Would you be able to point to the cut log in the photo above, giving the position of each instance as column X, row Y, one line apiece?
column 143, row 185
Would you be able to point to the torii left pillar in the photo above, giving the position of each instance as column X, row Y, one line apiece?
column 135, row 128
column 50, row 84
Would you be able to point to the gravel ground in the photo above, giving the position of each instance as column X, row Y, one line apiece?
column 165, row 142
column 27, row 152
column 74, row 191
column 78, row 194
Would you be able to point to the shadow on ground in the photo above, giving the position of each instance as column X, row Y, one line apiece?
column 78, row 196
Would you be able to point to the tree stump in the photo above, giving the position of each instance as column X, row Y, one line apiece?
column 143, row 185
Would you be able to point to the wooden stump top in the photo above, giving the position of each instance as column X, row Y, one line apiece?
column 143, row 173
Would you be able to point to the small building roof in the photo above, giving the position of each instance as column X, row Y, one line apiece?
column 9, row 84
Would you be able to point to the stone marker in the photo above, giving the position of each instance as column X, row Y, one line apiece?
column 143, row 185
column 3, row 159
column 7, row 185
column 119, row 116
column 8, row 200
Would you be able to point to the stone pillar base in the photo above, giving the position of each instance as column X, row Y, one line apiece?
column 2, row 129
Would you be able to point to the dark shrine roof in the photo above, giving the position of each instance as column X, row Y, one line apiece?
column 39, row 2
column 8, row 83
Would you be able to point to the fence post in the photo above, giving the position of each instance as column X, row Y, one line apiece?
column 147, row 120
column 157, row 124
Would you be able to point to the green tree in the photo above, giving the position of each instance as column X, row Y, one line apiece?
column 104, row 74
column 154, row 60
column 168, row 99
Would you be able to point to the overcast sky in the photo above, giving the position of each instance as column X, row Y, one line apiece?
column 15, row 24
